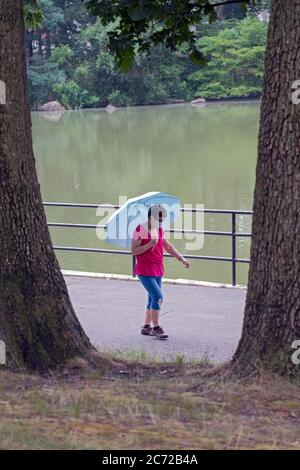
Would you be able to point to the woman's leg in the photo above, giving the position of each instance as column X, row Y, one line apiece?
column 155, row 311
column 153, row 287
column 158, row 332
column 148, row 317
column 147, row 329
column 155, row 317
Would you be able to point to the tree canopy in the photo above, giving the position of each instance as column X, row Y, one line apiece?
column 70, row 60
column 139, row 25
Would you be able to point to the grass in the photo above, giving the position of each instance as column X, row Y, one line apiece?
column 131, row 402
column 144, row 357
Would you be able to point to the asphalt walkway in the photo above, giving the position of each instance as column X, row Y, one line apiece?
column 201, row 321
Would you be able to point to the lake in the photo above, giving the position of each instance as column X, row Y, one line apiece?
column 203, row 155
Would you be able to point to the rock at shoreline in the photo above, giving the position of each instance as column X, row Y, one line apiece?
column 51, row 106
column 198, row 102
column 110, row 108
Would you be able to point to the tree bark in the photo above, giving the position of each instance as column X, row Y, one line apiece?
column 272, row 312
column 38, row 323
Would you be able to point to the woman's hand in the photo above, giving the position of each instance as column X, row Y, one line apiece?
column 185, row 262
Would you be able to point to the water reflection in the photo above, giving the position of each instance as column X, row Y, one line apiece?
column 203, row 155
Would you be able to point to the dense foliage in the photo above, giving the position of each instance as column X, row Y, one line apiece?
column 69, row 60
column 140, row 25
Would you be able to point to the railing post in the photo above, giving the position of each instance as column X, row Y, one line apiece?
column 133, row 265
column 233, row 231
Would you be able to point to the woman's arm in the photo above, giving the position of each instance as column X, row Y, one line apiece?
column 172, row 251
column 137, row 249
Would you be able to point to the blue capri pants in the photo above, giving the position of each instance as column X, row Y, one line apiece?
column 152, row 285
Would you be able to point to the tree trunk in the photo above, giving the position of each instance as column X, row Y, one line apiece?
column 272, row 312
column 38, row 323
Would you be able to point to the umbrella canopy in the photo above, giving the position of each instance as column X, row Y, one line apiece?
column 122, row 223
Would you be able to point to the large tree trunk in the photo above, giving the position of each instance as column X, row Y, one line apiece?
column 37, row 321
column 272, row 312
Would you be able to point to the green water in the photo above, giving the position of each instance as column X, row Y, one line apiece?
column 203, row 155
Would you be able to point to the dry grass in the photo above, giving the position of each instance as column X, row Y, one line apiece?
column 137, row 404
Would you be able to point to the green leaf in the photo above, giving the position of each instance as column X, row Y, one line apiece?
column 33, row 16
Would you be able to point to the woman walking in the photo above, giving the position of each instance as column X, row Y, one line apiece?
column 148, row 245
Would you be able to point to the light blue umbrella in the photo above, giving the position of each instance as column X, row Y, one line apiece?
column 121, row 225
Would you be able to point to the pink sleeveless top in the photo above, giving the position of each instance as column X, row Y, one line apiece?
column 149, row 263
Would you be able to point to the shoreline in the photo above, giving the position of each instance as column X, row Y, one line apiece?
column 229, row 100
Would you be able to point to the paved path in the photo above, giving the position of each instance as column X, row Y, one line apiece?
column 201, row 321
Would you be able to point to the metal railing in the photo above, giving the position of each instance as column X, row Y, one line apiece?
column 233, row 234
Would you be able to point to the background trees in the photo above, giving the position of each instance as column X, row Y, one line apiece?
column 235, row 53
column 69, row 60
